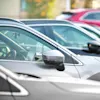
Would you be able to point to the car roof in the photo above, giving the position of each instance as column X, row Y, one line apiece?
column 44, row 21
column 9, row 20
column 76, row 11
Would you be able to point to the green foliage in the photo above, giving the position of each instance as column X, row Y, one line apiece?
column 37, row 8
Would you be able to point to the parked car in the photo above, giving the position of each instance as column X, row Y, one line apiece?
column 58, row 32
column 44, row 21
column 91, row 29
column 65, row 15
column 30, row 52
column 89, row 16
column 5, row 20
column 32, row 87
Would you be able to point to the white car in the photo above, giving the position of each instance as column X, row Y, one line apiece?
column 89, row 28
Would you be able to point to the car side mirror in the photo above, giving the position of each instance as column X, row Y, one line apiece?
column 94, row 46
column 54, row 57
column 37, row 56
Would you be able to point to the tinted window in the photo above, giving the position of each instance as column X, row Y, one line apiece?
column 93, row 16
column 5, row 86
column 20, row 40
column 32, row 44
column 26, row 40
column 92, row 32
column 71, row 37
column 39, row 28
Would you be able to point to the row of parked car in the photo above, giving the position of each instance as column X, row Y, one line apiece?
column 48, row 59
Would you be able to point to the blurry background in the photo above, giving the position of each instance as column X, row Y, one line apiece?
column 42, row 8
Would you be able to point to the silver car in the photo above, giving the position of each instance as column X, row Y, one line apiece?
column 25, row 50
column 31, row 87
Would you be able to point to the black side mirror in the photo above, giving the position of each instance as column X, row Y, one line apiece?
column 94, row 46
column 54, row 57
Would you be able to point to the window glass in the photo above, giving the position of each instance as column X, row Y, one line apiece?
column 4, row 49
column 23, row 5
column 25, row 40
column 24, row 45
column 5, row 86
column 93, row 16
column 71, row 37
column 39, row 28
column 92, row 32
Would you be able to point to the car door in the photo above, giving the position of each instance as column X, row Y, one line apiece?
column 32, row 62
column 25, row 86
column 10, row 88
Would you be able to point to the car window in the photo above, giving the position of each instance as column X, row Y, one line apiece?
column 92, row 32
column 29, row 42
column 92, row 16
column 7, row 87
column 4, row 49
column 39, row 28
column 19, row 40
column 70, row 36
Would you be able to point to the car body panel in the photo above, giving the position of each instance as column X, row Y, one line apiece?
column 47, row 88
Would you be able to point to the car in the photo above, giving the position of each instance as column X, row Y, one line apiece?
column 42, row 21
column 49, row 30
column 64, row 15
column 89, row 28
column 28, row 51
column 5, row 19
column 67, row 14
column 14, row 86
column 89, row 16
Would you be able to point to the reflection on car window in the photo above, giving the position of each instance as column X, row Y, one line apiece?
column 92, row 32
column 71, row 37
column 39, row 28
column 24, row 45
column 26, row 40
column 92, row 16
